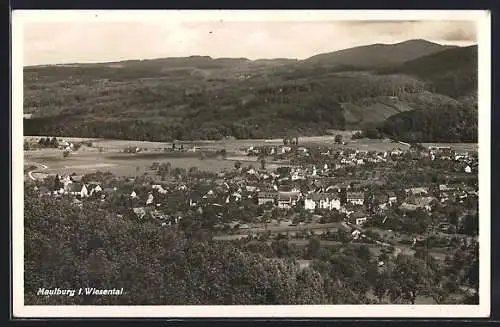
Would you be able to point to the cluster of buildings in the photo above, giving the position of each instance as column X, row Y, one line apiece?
column 315, row 189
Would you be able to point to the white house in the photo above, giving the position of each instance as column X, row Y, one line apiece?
column 356, row 198
column 160, row 189
column 359, row 218
column 133, row 194
column 327, row 201
column 468, row 170
column 95, row 188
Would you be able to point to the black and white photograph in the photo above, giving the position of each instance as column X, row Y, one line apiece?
column 251, row 163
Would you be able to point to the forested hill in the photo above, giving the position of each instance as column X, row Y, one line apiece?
column 380, row 54
column 204, row 98
column 452, row 72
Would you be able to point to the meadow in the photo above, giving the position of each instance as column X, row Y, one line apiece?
column 107, row 155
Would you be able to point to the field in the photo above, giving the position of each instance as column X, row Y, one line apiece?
column 118, row 164
column 90, row 159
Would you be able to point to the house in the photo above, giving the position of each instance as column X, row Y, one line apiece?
column 358, row 218
column 328, row 201
column 468, row 169
column 267, row 197
column 445, row 188
column 416, row 191
column 78, row 189
column 392, row 197
column 77, row 203
column 286, row 200
column 150, row 199
column 381, row 198
column 159, row 188
column 426, row 203
column 250, row 188
column 95, row 188
column 355, row 234
column 139, row 212
column 396, row 152
column 133, row 194
column 356, row 198
column 44, row 190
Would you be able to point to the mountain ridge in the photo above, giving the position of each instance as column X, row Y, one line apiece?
column 202, row 98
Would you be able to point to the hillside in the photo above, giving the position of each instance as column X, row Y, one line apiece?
column 452, row 72
column 379, row 54
column 205, row 98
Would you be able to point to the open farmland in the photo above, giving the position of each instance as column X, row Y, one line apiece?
column 234, row 145
column 121, row 165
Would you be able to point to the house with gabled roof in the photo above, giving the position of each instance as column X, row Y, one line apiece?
column 78, row 189
column 267, row 197
column 287, row 200
column 358, row 218
column 327, row 201
column 356, row 198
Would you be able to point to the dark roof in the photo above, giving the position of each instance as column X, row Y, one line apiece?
column 323, row 196
column 287, row 196
column 355, row 195
column 76, row 178
column 75, row 187
column 267, row 195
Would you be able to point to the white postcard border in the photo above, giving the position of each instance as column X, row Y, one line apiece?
column 341, row 311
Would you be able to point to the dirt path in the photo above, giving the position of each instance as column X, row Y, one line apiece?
column 40, row 167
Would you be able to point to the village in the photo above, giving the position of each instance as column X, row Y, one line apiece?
column 393, row 198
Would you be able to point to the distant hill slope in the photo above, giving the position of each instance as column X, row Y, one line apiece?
column 205, row 98
column 379, row 54
column 452, row 72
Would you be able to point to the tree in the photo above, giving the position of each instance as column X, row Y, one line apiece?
column 237, row 165
column 263, row 163
column 470, row 224
column 313, row 248
column 338, row 139
column 413, row 278
column 65, row 154
column 193, row 171
column 57, row 183
column 54, row 143
column 107, row 249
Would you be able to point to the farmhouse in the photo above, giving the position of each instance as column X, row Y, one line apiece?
column 78, row 189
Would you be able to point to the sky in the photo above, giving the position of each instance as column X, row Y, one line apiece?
column 60, row 42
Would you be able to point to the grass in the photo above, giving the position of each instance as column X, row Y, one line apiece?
column 120, row 165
